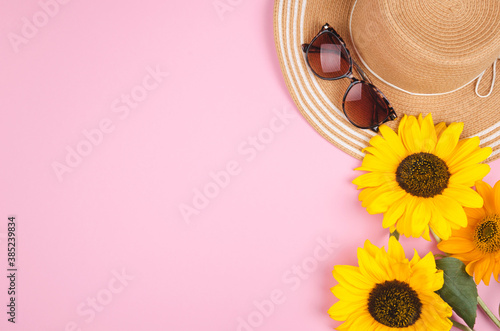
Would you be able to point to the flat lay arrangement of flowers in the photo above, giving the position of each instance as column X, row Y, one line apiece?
column 390, row 82
column 427, row 183
column 284, row 165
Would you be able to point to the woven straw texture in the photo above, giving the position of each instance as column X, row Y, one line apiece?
column 450, row 50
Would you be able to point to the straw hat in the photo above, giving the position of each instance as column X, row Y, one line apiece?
column 424, row 55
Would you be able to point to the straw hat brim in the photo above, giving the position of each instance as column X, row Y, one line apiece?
column 320, row 102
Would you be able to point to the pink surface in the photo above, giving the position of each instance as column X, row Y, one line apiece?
column 102, row 242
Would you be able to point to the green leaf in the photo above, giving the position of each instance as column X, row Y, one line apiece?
column 459, row 289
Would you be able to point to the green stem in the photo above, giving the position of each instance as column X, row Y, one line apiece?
column 394, row 234
column 438, row 240
column 460, row 325
column 488, row 312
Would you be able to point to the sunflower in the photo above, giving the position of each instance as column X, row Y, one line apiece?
column 478, row 245
column 422, row 176
column 387, row 291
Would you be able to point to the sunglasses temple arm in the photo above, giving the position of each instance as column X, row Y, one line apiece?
column 361, row 72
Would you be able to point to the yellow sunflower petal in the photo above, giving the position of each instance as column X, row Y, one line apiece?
column 481, row 271
column 469, row 175
column 426, row 234
column 393, row 140
column 441, row 229
column 489, row 269
column 464, row 148
column 373, row 163
column 382, row 151
column 465, row 233
column 464, row 195
column 456, row 245
column 371, row 248
column 411, row 136
column 351, row 276
column 392, row 267
column 448, row 140
column 394, row 213
column 470, row 268
column 405, row 222
column 420, row 119
column 395, row 249
column 359, row 320
column 428, row 134
column 471, row 256
column 475, row 213
column 496, row 271
column 383, row 201
column 425, row 277
column 439, row 224
column 402, row 125
column 486, row 191
column 440, row 127
column 366, row 193
column 341, row 310
column 420, row 218
column 415, row 259
column 450, row 209
column 343, row 327
column 350, row 294
column 433, row 310
column 369, row 195
column 496, row 196
column 374, row 179
column 369, row 268
column 462, row 159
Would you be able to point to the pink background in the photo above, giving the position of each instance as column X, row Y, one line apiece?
column 117, row 209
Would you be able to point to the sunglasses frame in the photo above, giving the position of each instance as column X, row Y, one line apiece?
column 327, row 29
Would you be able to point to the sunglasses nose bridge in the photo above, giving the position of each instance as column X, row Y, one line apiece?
column 351, row 77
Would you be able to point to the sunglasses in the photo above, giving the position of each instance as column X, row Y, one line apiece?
column 364, row 105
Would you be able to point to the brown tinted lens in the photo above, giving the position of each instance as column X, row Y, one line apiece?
column 364, row 106
column 327, row 57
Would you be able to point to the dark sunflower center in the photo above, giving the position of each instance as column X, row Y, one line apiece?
column 394, row 304
column 487, row 234
column 423, row 175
